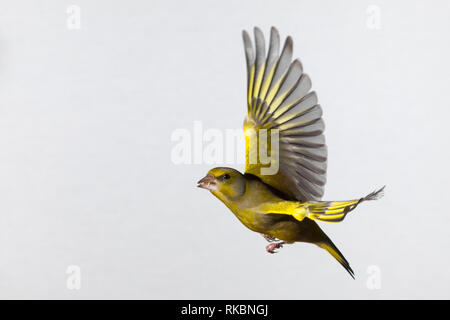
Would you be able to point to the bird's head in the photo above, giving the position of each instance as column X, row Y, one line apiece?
column 223, row 181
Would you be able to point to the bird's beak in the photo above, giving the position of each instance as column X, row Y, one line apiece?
column 209, row 182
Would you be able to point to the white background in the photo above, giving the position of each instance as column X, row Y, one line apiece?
column 86, row 176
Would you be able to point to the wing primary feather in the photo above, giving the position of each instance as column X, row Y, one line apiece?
column 295, row 97
column 259, row 60
column 283, row 64
column 248, row 47
column 289, row 83
column 304, row 105
column 250, row 60
column 271, row 62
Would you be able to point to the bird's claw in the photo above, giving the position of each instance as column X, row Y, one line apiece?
column 271, row 247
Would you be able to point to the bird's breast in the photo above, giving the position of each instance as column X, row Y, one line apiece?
column 253, row 220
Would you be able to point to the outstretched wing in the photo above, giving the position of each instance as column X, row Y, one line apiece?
column 335, row 211
column 280, row 103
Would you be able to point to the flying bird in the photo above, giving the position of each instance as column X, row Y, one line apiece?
column 279, row 195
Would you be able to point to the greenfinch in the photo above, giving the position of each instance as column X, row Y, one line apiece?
column 279, row 194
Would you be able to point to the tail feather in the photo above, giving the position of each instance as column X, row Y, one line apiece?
column 334, row 251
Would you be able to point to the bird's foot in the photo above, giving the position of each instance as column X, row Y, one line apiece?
column 269, row 238
column 271, row 247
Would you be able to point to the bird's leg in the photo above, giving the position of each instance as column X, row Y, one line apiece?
column 276, row 245
column 269, row 238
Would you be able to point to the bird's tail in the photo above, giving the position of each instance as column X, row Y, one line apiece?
column 335, row 211
column 334, row 251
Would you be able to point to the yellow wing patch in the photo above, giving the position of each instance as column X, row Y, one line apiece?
column 332, row 211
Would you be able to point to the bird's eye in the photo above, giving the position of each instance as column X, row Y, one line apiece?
column 226, row 176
